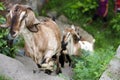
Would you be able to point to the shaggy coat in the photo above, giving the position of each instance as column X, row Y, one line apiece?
column 42, row 39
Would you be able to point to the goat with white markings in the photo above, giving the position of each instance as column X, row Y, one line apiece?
column 42, row 39
column 72, row 44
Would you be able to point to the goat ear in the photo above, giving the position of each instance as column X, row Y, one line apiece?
column 73, row 27
column 36, row 21
column 33, row 28
column 80, row 37
column 27, row 7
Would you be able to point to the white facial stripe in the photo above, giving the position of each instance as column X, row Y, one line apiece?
column 73, row 27
column 67, row 36
column 21, row 15
column 77, row 35
column 11, row 14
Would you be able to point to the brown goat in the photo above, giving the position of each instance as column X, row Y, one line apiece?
column 42, row 39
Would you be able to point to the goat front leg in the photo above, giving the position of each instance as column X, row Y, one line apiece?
column 69, row 59
column 49, row 57
column 58, row 69
column 36, row 58
column 47, row 63
column 62, row 59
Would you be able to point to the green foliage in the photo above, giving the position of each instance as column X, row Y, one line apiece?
column 72, row 8
column 3, row 77
column 1, row 6
column 115, row 23
column 4, row 49
column 90, row 67
column 84, row 6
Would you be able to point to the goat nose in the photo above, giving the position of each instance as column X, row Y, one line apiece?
column 78, row 39
column 13, row 32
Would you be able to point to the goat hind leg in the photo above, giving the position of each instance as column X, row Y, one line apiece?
column 58, row 69
column 62, row 59
column 69, row 59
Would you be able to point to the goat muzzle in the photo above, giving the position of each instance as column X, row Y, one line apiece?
column 13, row 34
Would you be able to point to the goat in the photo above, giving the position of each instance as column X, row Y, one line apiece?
column 42, row 39
column 69, row 46
column 87, row 46
column 73, row 44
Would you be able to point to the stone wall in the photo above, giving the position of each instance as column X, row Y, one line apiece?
column 113, row 70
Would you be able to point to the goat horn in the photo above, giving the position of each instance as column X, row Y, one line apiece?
column 4, row 25
column 27, row 6
column 73, row 27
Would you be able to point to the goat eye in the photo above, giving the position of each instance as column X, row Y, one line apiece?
column 8, row 10
column 16, row 10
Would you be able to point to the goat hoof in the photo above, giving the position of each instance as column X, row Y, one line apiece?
column 58, row 72
column 62, row 66
column 34, row 71
column 72, row 65
column 39, row 66
column 47, row 71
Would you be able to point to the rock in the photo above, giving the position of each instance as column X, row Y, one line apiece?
column 13, row 68
column 118, row 52
column 36, row 5
column 113, row 70
column 63, row 18
column 62, row 25
column 22, row 68
column 85, row 35
column 52, row 14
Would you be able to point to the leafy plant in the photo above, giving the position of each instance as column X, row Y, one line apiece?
column 84, row 6
column 91, row 67
column 72, row 8
column 4, row 48
column 115, row 23
column 1, row 6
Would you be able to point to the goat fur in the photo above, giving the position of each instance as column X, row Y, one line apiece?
column 42, row 39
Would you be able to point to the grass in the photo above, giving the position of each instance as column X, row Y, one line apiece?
column 3, row 77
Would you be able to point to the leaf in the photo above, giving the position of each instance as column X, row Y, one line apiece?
column 77, row 5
